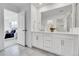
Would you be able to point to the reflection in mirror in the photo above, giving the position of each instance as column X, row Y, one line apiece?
column 57, row 20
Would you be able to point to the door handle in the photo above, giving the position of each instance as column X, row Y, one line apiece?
column 24, row 30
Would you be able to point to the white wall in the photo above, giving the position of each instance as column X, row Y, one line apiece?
column 35, row 19
column 9, row 16
column 77, row 16
column 1, row 28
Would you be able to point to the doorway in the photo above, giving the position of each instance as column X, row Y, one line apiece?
column 10, row 28
column 14, row 28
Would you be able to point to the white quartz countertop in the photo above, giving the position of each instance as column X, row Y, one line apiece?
column 58, row 32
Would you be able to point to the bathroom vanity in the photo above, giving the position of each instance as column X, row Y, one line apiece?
column 60, row 43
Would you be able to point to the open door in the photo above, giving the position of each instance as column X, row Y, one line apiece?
column 21, row 29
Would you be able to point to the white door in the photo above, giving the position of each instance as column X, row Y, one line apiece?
column 21, row 29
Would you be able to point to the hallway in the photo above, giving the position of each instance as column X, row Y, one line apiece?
column 17, row 50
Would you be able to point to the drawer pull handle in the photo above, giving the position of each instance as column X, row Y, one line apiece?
column 62, row 42
column 36, row 37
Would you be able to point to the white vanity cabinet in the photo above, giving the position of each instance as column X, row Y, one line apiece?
column 37, row 40
column 47, row 42
column 70, row 46
column 52, row 43
column 40, row 41
column 67, row 47
column 34, row 39
column 57, row 45
column 60, row 44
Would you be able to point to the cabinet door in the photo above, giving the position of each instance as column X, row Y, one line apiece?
column 34, row 39
column 67, row 47
column 57, row 45
column 40, row 40
column 47, row 43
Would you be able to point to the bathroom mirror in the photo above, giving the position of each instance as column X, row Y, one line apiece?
column 60, row 18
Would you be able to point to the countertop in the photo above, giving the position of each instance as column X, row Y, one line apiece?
column 58, row 32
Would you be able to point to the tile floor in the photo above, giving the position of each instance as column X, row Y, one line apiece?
column 17, row 50
column 9, row 42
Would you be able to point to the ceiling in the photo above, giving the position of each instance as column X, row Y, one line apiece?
column 39, row 5
column 16, row 7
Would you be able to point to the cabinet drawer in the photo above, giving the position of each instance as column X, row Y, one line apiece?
column 66, row 38
column 63, row 36
column 47, row 43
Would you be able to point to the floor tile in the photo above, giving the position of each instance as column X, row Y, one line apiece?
column 17, row 50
